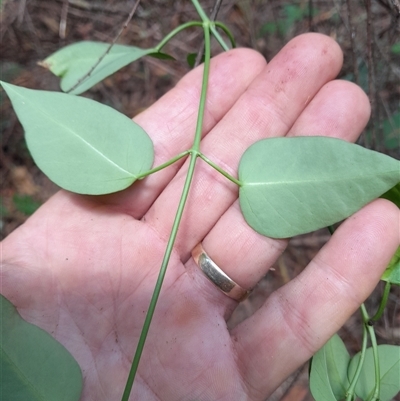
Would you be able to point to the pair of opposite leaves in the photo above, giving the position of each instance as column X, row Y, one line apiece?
column 332, row 371
column 289, row 186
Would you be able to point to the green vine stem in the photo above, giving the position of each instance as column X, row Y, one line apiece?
column 213, row 25
column 382, row 305
column 368, row 329
column 200, row 11
column 202, row 105
column 371, row 332
column 350, row 396
column 194, row 153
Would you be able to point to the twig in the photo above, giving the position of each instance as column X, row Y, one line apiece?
column 352, row 32
column 97, row 6
column 21, row 11
column 213, row 16
column 109, row 47
column 393, row 6
column 396, row 7
column 371, row 71
column 310, row 16
column 294, row 379
column 63, row 19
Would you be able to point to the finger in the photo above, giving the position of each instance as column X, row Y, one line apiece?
column 340, row 109
column 269, row 107
column 300, row 317
column 171, row 121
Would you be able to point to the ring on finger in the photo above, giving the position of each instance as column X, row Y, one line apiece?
column 217, row 276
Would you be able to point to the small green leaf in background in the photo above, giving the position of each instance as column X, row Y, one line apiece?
column 3, row 210
column 389, row 363
column 33, row 365
column 81, row 145
column 191, row 59
column 395, row 49
column 292, row 186
column 392, row 272
column 291, row 13
column 25, row 204
column 161, row 56
column 72, row 62
column 391, row 131
column 393, row 195
column 269, row 28
column 362, row 77
column 328, row 375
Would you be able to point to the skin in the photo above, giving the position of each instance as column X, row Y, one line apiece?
column 83, row 268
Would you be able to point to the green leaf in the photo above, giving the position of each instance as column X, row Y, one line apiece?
column 33, row 365
column 391, row 131
column 362, row 79
column 161, row 56
column 191, row 59
column 389, row 363
column 392, row 272
column 3, row 212
column 25, row 204
column 2, row 4
column 393, row 195
column 395, row 49
column 292, row 186
column 73, row 62
column 268, row 28
column 328, row 376
column 294, row 13
column 81, row 145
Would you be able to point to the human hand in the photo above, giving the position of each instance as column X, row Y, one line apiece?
column 83, row 268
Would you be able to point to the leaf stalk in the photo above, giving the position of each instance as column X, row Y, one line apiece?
column 177, row 30
column 382, row 304
column 220, row 170
column 218, row 24
column 164, row 165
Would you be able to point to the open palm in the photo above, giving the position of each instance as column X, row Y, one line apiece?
column 84, row 268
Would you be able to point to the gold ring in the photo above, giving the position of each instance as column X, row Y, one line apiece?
column 217, row 276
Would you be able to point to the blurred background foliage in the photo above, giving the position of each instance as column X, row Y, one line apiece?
column 368, row 32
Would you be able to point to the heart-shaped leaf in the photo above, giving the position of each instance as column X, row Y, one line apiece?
column 328, row 375
column 389, row 365
column 291, row 186
column 81, row 145
column 33, row 365
column 73, row 62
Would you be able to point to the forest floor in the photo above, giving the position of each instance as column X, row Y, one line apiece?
column 30, row 30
